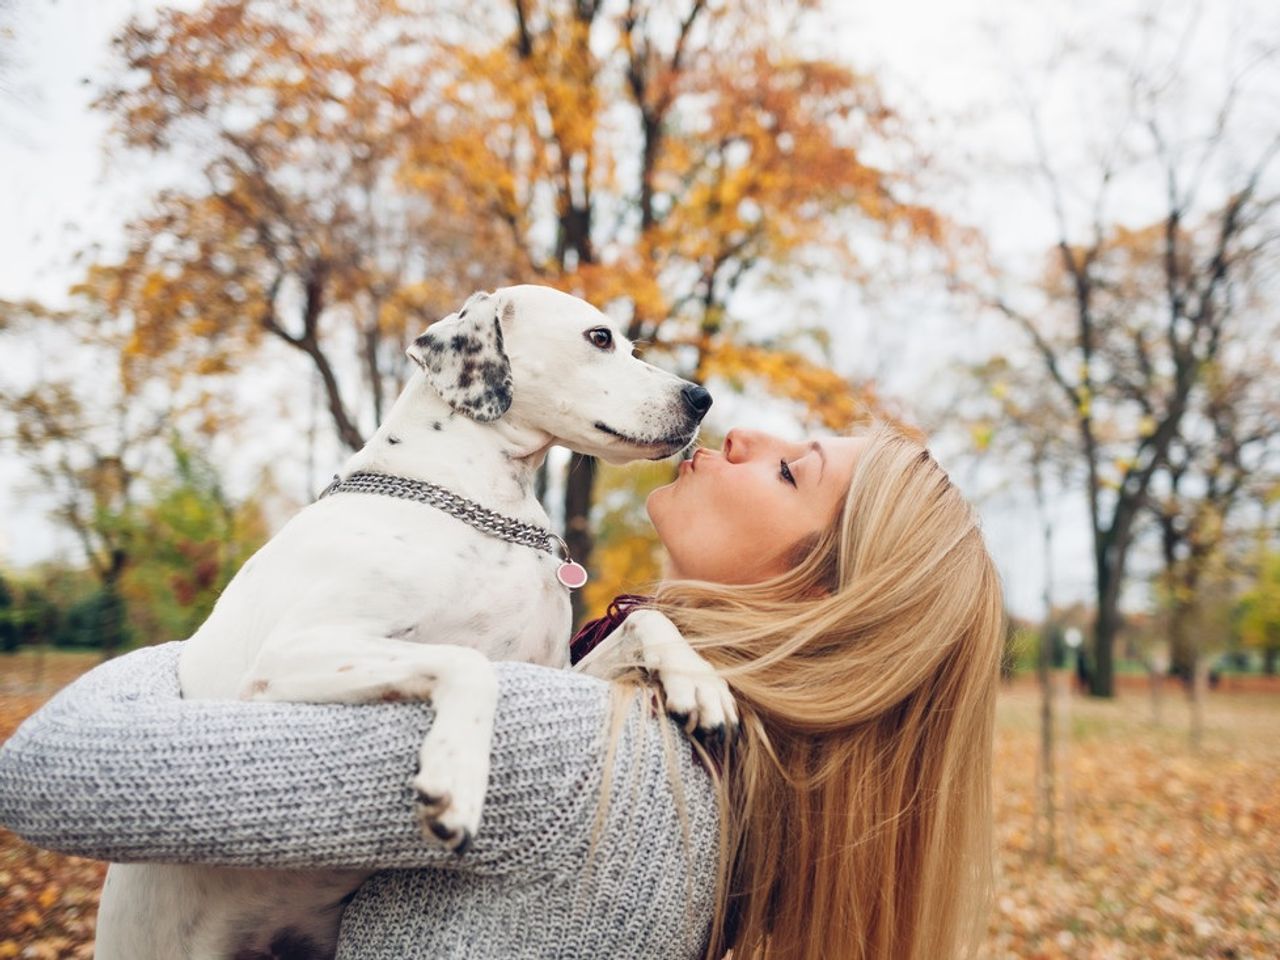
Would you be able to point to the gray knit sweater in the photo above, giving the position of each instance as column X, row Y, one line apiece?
column 119, row 767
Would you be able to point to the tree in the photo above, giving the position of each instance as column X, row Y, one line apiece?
column 1126, row 322
column 10, row 627
column 369, row 163
column 1012, row 416
column 1222, row 459
column 192, row 538
column 90, row 445
column 6, row 37
column 1260, row 611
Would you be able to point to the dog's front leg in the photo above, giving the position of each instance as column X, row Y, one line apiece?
column 695, row 693
column 342, row 663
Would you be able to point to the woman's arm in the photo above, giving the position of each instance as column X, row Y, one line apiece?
column 119, row 767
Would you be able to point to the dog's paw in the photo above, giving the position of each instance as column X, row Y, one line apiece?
column 696, row 696
column 439, row 820
column 449, row 791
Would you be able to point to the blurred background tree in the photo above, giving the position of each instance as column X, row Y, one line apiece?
column 367, row 164
column 157, row 534
column 1125, row 322
column 1259, row 611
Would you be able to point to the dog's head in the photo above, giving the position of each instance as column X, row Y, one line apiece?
column 553, row 362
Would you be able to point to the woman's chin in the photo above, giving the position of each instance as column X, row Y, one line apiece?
column 655, row 502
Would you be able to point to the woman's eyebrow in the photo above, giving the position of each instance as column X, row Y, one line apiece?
column 816, row 448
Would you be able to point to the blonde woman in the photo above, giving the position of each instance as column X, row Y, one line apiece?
column 842, row 588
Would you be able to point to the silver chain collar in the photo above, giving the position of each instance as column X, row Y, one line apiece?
column 468, row 511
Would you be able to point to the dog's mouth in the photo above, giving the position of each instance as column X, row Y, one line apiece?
column 668, row 445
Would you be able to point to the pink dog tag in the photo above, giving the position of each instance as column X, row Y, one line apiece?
column 571, row 574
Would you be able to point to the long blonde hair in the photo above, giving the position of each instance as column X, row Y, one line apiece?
column 856, row 806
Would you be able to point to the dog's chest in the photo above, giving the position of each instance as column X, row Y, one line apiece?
column 440, row 580
column 500, row 598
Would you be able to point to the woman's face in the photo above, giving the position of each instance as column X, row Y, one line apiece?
column 737, row 515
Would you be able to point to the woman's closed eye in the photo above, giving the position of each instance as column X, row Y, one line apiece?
column 786, row 473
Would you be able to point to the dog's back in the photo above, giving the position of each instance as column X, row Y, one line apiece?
column 431, row 578
column 423, row 574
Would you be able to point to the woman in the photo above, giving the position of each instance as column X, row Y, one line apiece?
column 843, row 590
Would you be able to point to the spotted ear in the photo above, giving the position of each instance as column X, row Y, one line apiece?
column 464, row 361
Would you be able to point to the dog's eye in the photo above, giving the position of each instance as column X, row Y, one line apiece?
column 601, row 337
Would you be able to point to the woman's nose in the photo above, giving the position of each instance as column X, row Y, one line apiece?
column 739, row 444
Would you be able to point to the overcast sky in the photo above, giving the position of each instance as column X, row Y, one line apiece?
column 60, row 197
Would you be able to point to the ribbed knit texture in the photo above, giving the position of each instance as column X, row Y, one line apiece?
column 118, row 767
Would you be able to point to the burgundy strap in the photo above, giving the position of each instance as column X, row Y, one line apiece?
column 592, row 632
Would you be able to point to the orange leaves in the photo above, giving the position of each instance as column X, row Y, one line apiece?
column 1172, row 853
column 627, row 556
column 48, row 902
column 824, row 395
column 387, row 161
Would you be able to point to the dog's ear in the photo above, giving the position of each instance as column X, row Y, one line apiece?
column 463, row 359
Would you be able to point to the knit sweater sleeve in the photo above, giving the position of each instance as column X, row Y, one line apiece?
column 119, row 767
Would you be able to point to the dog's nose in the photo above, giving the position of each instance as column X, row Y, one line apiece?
column 698, row 399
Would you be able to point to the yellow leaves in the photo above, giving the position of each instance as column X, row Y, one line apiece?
column 1084, row 401
column 627, row 556
column 621, row 564
column 981, row 435
column 828, row 397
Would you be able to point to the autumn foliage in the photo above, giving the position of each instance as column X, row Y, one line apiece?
column 357, row 168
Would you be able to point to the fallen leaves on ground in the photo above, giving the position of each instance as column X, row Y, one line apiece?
column 48, row 902
column 1163, row 851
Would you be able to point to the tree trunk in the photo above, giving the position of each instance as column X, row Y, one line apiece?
column 1044, row 770
column 111, row 609
column 1182, row 651
column 1106, row 626
column 578, row 489
column 1199, row 683
column 1156, row 679
column 1064, row 768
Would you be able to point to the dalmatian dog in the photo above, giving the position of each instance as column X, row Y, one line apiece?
column 363, row 598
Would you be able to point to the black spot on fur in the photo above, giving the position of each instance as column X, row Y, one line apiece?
column 493, row 373
column 288, row 944
column 435, row 424
column 466, row 344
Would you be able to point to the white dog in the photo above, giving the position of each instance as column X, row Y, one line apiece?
column 360, row 597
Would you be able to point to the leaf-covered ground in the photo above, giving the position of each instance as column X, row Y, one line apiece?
column 48, row 902
column 1164, row 852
